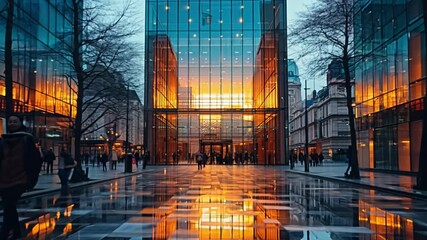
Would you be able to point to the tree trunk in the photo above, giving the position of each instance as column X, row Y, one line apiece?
column 422, row 160
column 354, row 163
column 9, row 59
column 78, row 173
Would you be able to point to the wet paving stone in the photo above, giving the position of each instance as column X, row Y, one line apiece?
column 222, row 202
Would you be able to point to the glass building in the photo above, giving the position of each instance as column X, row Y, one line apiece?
column 390, row 83
column 216, row 78
column 40, row 88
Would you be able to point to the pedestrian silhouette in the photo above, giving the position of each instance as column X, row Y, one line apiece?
column 20, row 164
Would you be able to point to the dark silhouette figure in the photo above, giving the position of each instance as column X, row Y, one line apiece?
column 20, row 165
column 65, row 164
column 175, row 157
column 136, row 156
column 349, row 152
column 49, row 157
column 146, row 159
column 104, row 160
column 301, row 157
column 199, row 159
column 86, row 158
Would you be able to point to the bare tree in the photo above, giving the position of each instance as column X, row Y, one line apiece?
column 105, row 97
column 99, row 52
column 325, row 32
column 422, row 167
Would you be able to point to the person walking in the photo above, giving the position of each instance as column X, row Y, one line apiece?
column 65, row 164
column 246, row 157
column 321, row 157
column 349, row 153
column 49, row 158
column 104, row 160
column 301, row 157
column 199, row 159
column 175, row 158
column 20, row 165
column 114, row 160
column 146, row 159
column 136, row 156
column 86, row 158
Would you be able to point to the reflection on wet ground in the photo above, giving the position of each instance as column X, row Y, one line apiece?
column 223, row 202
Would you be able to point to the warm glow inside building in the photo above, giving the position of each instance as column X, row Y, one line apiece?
column 216, row 74
column 41, row 89
column 390, row 83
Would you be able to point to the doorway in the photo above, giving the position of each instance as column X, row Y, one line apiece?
column 216, row 150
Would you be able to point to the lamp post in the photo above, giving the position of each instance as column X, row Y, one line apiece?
column 128, row 159
column 306, row 168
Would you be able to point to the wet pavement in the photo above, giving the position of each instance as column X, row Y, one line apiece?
column 222, row 202
column 388, row 182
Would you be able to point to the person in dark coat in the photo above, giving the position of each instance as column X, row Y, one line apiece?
column 20, row 164
column 136, row 156
column 199, row 159
column 301, row 157
column 49, row 157
column 65, row 164
column 146, row 159
column 349, row 153
column 104, row 160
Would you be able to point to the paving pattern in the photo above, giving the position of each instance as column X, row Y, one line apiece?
column 222, row 202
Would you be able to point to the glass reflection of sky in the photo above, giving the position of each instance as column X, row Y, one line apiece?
column 215, row 43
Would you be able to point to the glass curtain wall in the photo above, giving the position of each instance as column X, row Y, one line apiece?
column 390, row 82
column 40, row 86
column 212, row 80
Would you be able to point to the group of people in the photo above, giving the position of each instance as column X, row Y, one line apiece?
column 314, row 158
column 239, row 158
column 104, row 158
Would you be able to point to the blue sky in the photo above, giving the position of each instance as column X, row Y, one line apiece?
column 294, row 7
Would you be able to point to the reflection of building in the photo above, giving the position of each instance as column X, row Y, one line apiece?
column 40, row 89
column 390, row 84
column 214, row 78
column 328, row 127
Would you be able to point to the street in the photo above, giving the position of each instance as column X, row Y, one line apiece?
column 222, row 202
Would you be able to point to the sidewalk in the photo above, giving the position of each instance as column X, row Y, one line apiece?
column 50, row 182
column 388, row 182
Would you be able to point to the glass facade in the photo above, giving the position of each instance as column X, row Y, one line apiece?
column 216, row 80
column 40, row 87
column 390, row 82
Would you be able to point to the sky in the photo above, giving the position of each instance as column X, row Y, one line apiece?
column 294, row 7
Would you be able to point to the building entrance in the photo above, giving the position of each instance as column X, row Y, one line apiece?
column 216, row 150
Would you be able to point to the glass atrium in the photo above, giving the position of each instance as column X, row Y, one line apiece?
column 215, row 80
